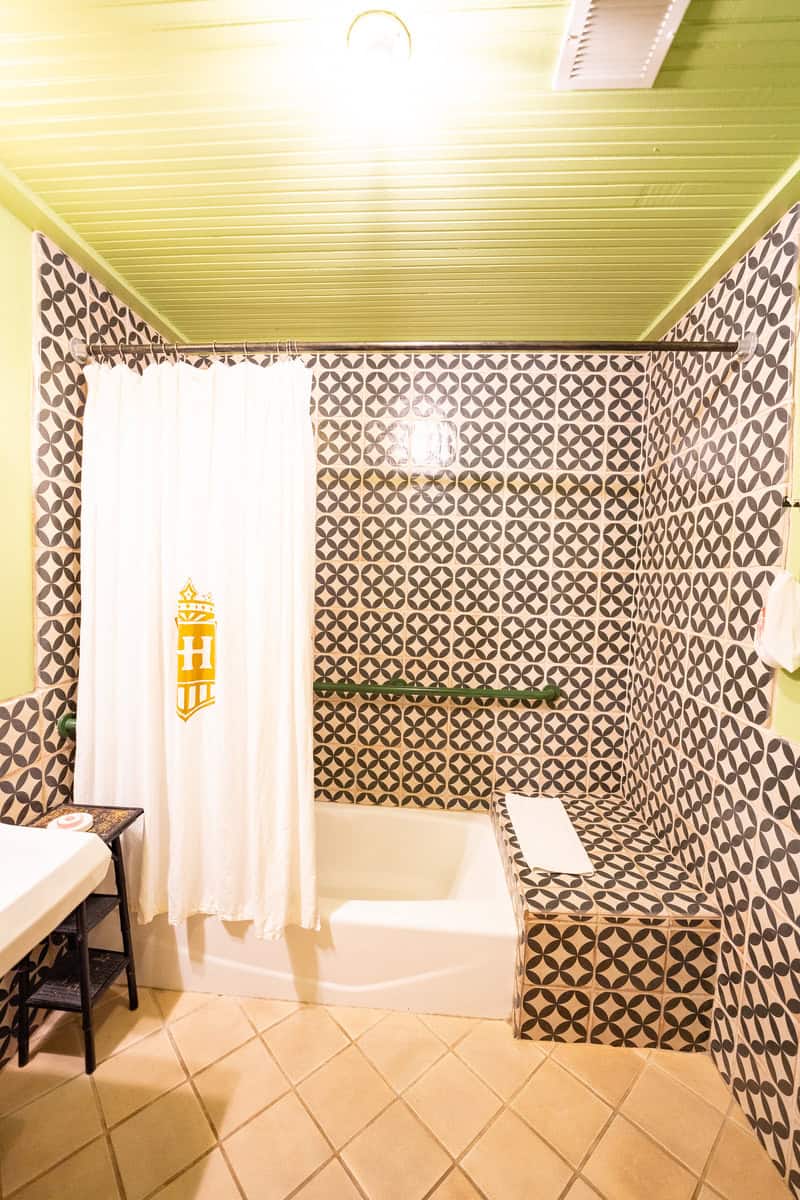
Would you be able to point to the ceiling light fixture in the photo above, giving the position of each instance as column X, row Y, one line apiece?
column 380, row 40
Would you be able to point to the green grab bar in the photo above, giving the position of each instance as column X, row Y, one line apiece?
column 66, row 724
column 395, row 687
column 399, row 687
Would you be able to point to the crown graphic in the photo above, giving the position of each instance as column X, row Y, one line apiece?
column 192, row 606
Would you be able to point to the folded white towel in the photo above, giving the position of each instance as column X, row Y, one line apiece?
column 546, row 835
column 777, row 635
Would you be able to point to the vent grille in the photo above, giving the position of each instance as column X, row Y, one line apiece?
column 616, row 43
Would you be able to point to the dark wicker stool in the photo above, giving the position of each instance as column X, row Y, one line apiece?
column 74, row 983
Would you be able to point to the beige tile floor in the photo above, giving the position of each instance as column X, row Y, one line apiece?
column 202, row 1097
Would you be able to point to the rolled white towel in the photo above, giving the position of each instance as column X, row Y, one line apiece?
column 777, row 635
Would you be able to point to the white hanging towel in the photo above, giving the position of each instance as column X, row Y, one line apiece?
column 546, row 835
column 195, row 687
column 777, row 635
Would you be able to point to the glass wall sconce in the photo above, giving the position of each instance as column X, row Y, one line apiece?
column 422, row 445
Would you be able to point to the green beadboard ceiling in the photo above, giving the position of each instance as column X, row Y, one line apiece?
column 224, row 160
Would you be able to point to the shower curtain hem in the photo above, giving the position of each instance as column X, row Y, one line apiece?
column 310, row 922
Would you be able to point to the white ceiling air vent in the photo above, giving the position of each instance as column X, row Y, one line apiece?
column 616, row 43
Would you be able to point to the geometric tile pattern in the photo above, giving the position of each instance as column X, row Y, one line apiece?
column 35, row 762
column 608, row 530
column 480, row 1113
column 512, row 566
column 703, row 766
column 626, row 956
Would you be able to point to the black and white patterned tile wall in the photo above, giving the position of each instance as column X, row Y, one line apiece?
column 721, row 788
column 35, row 761
column 511, row 567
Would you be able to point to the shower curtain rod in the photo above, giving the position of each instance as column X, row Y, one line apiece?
column 82, row 350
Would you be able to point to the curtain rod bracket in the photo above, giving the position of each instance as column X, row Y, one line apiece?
column 748, row 344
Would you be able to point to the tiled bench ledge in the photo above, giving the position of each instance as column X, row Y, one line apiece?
column 626, row 956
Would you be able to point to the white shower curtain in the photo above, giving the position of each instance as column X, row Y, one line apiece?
column 195, row 685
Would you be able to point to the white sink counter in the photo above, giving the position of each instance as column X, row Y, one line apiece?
column 44, row 874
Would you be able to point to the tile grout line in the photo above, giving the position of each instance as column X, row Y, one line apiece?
column 188, row 1166
column 505, row 1106
column 713, row 1150
column 447, row 1048
column 615, row 1111
column 108, row 1129
column 36, row 1036
column 109, row 1144
column 699, row 1176
column 397, row 1094
column 98, row 1137
column 301, row 1101
column 291, row 1088
column 103, row 1135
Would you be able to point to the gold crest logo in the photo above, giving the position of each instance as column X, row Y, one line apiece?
column 197, row 651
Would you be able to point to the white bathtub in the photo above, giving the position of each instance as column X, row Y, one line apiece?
column 415, row 915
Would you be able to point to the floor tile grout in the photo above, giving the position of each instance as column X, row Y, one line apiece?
column 104, row 1136
column 397, row 1095
column 709, row 1159
column 663, row 1070
column 507, row 1106
column 107, row 1136
column 616, row 1111
column 293, row 1089
column 204, row 1110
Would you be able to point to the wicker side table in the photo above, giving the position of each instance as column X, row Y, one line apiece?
column 75, row 983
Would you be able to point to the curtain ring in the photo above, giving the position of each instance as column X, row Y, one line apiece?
column 245, row 349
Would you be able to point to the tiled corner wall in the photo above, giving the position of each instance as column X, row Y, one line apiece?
column 513, row 566
column 35, row 762
column 722, row 790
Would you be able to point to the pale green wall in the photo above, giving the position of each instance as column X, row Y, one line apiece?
column 16, row 501
column 786, row 713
